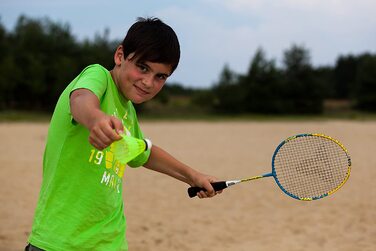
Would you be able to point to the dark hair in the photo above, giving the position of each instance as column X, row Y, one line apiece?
column 152, row 40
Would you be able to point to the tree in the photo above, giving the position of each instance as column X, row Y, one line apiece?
column 39, row 58
column 228, row 95
column 345, row 72
column 301, row 91
column 365, row 88
column 261, row 85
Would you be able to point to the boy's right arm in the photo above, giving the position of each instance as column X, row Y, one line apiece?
column 161, row 161
column 85, row 109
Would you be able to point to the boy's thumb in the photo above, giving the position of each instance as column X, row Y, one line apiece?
column 117, row 125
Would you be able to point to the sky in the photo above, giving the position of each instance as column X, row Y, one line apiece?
column 215, row 33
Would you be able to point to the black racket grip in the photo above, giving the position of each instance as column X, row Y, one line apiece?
column 220, row 185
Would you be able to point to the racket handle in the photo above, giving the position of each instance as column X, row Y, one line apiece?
column 220, row 185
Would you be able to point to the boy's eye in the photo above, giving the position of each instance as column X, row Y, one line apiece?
column 142, row 67
column 162, row 76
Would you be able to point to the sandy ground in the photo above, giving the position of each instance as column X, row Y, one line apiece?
column 251, row 216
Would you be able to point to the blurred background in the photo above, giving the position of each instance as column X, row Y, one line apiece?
column 252, row 72
column 241, row 57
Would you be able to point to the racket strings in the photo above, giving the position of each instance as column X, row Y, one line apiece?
column 311, row 166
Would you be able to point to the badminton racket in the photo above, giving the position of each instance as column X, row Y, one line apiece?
column 305, row 167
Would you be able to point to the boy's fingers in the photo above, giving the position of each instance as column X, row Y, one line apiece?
column 110, row 129
column 202, row 195
column 98, row 145
column 100, row 138
column 118, row 126
column 209, row 189
column 111, row 134
column 100, row 134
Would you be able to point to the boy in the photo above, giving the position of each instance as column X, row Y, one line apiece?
column 80, row 204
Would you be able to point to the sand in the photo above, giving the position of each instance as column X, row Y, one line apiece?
column 250, row 216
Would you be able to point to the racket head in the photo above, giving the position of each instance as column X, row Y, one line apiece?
column 310, row 166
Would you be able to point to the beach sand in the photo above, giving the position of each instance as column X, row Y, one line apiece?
column 249, row 216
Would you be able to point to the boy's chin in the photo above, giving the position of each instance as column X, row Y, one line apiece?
column 138, row 100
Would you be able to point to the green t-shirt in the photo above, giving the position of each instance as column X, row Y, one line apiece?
column 80, row 204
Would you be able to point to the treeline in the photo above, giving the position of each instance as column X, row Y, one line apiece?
column 38, row 58
column 296, row 87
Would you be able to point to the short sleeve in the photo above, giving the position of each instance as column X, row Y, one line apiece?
column 93, row 78
column 140, row 160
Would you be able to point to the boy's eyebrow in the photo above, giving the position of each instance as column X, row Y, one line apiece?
column 159, row 73
column 163, row 74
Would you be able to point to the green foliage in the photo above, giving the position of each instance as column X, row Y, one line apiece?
column 266, row 89
column 355, row 79
column 324, row 75
column 365, row 89
column 39, row 58
column 301, row 90
column 228, row 95
column 345, row 76
column 296, row 88
column 262, row 85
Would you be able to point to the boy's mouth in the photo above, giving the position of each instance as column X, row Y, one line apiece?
column 141, row 91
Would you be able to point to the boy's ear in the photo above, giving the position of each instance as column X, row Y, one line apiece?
column 118, row 55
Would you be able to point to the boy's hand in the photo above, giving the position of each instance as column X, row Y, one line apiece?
column 85, row 109
column 202, row 180
column 104, row 130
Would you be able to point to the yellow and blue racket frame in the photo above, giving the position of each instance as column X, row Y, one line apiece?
column 274, row 174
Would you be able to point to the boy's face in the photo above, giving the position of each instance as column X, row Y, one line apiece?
column 138, row 81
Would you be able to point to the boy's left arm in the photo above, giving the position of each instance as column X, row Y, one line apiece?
column 163, row 162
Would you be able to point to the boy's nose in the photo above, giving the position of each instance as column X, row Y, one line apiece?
column 148, row 81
